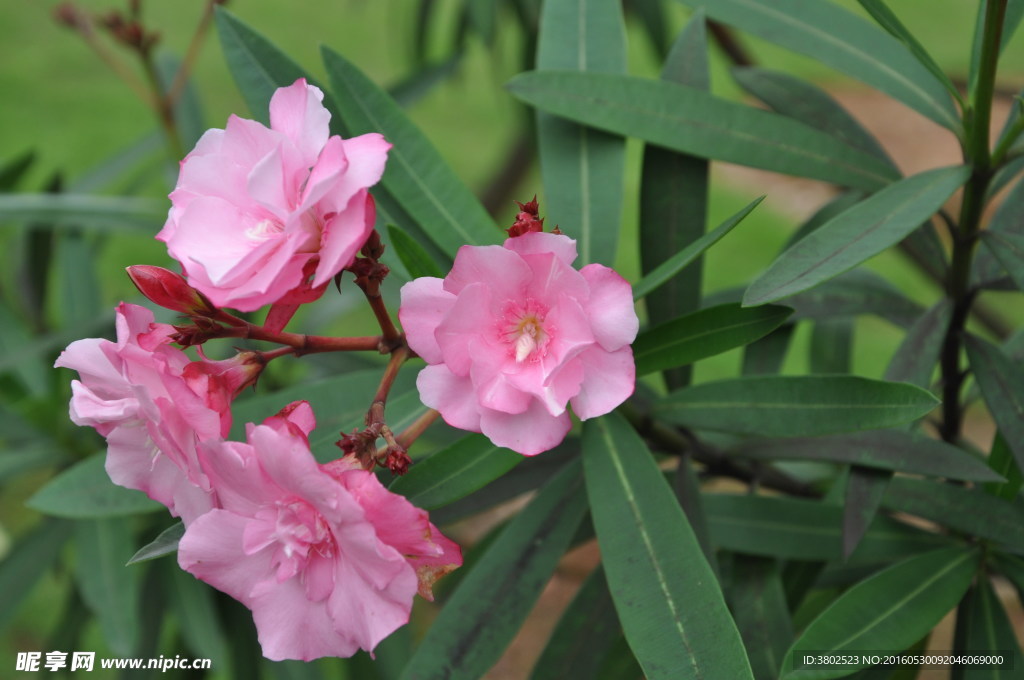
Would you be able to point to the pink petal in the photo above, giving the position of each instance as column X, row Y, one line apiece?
column 297, row 112
column 532, row 243
column 211, row 235
column 211, row 550
column 504, row 271
column 267, row 185
column 469, row 322
column 324, row 176
column 609, row 379
column 552, row 277
column 431, row 568
column 610, row 307
column 368, row 614
column 424, row 302
column 529, row 433
column 451, row 395
column 366, row 157
column 343, row 235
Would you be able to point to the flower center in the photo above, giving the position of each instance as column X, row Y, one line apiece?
column 263, row 230
column 298, row 532
column 525, row 330
column 529, row 336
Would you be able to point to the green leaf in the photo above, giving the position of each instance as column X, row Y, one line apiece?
column 987, row 631
column 1008, row 249
column 142, row 216
column 256, row 64
column 668, row 600
column 831, row 346
column 455, row 472
column 28, row 560
column 915, row 358
column 110, row 589
column 583, row 169
column 808, row 104
column 1002, row 384
column 80, row 298
column 16, row 338
column 84, row 491
column 704, row 333
column 487, row 609
column 856, row 235
column 844, row 41
column 674, row 191
column 865, row 490
column 856, row 292
column 695, row 122
column 765, row 356
column 661, row 274
column 800, row 529
column 881, row 13
column 686, row 485
column 883, row 449
column 416, row 175
column 890, row 610
column 1000, row 458
column 194, row 607
column 588, row 627
column 13, row 170
column 781, row 406
column 1007, row 219
column 165, row 543
column 14, row 462
column 758, row 601
column 188, row 112
column 414, row 257
column 971, row 511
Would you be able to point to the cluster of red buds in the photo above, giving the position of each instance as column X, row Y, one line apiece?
column 129, row 31
column 528, row 219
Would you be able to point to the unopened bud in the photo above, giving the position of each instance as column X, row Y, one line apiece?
column 169, row 290
column 527, row 219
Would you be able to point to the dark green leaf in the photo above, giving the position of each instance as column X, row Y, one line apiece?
column 971, row 511
column 915, row 358
column 109, row 588
column 865, row 491
column 844, row 41
column 824, row 215
column 1007, row 219
column 583, row 169
column 193, row 605
column 414, row 87
column 891, row 610
column 142, row 216
column 416, row 259
column 856, row 292
column 674, row 191
column 1002, row 462
column 703, row 333
column 1002, row 384
column 1008, row 249
column 856, row 235
column 17, row 339
column 678, row 261
column 883, row 449
column 808, row 104
column 831, row 346
column 416, row 176
column 483, row 615
column 668, row 600
column 694, row 122
column 780, row 406
column 85, row 491
column 164, row 544
column 12, row 171
column 588, row 627
column 881, row 13
column 758, row 602
column 686, row 485
column 800, row 529
column 987, row 631
column 765, row 356
column 455, row 472
column 28, row 560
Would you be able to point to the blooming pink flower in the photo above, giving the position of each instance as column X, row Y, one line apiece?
column 153, row 405
column 513, row 334
column 325, row 557
column 257, row 209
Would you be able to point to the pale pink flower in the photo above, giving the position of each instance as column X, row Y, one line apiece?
column 153, row 405
column 326, row 558
column 513, row 334
column 259, row 210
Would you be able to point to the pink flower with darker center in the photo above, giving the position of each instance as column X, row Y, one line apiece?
column 259, row 213
column 514, row 334
column 327, row 559
column 153, row 405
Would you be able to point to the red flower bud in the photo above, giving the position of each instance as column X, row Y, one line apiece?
column 527, row 219
column 167, row 289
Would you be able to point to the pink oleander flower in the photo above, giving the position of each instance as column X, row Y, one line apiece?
column 257, row 211
column 513, row 334
column 327, row 559
column 153, row 405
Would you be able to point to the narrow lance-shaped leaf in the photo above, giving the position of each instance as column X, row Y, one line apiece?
column 416, row 175
column 695, row 122
column 193, row 605
column 165, row 543
column 1008, row 249
column 28, row 559
column 107, row 213
column 483, row 615
column 986, row 631
column 680, row 260
column 703, row 333
column 414, row 257
column 668, row 600
column 780, row 406
column 846, row 42
column 84, row 490
column 809, row 104
column 109, row 587
column 759, row 603
column 831, row 346
column 1000, row 458
column 583, row 168
column 859, row 233
column 890, row 610
column 1002, row 384
column 674, row 192
column 859, row 291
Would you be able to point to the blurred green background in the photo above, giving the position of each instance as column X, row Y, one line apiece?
column 59, row 100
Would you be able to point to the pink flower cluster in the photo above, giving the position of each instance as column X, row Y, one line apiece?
column 514, row 334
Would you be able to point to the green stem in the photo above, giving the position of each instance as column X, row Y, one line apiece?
column 977, row 155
